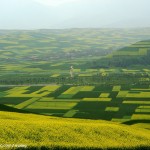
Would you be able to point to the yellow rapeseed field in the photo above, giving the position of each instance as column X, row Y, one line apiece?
column 36, row 131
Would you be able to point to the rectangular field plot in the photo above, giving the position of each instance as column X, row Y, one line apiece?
column 87, row 88
column 52, row 105
column 21, row 91
column 104, row 95
column 141, row 116
column 136, row 102
column 143, row 110
column 122, row 94
column 70, row 113
column 116, row 88
column 51, row 88
column 144, row 107
column 26, row 103
column 46, row 99
column 97, row 99
column 73, row 90
column 138, row 95
column 140, row 90
column 65, row 96
column 126, row 70
column 18, row 89
column 55, row 75
column 87, row 94
column 32, row 89
column 28, row 95
column 86, row 75
column 70, row 92
column 112, row 109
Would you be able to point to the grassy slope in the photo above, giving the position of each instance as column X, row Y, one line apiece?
column 38, row 131
column 132, row 55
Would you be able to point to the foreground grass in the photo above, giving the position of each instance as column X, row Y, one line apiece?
column 41, row 132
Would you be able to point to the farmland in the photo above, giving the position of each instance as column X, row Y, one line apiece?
column 50, row 53
column 44, row 132
column 107, row 97
column 123, row 104
column 45, row 56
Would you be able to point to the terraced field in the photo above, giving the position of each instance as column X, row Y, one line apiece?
column 123, row 104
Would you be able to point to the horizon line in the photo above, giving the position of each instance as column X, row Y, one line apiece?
column 75, row 28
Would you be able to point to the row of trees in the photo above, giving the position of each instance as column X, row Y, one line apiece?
column 110, row 79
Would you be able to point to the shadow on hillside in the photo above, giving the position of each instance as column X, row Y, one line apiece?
column 132, row 122
column 11, row 109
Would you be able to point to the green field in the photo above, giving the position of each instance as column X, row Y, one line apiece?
column 45, row 56
column 112, row 103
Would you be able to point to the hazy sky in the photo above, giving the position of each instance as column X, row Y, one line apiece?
column 35, row 14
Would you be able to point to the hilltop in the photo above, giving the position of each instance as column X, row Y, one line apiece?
column 36, row 131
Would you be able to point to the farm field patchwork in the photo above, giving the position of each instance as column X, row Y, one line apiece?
column 52, row 52
column 109, row 89
column 113, row 103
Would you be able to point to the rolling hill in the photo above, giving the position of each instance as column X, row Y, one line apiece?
column 30, row 54
column 25, row 46
column 137, row 54
column 42, row 132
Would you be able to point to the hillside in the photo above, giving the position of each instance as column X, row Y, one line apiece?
column 45, row 56
column 41, row 50
column 49, row 132
column 137, row 54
